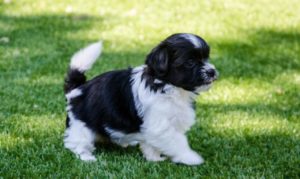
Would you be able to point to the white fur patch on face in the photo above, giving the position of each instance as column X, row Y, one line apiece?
column 192, row 39
column 209, row 66
column 73, row 94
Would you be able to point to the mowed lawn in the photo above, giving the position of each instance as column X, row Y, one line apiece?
column 248, row 124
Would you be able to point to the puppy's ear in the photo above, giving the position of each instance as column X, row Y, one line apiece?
column 158, row 60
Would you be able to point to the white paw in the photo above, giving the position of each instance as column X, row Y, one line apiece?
column 124, row 145
column 133, row 143
column 151, row 154
column 87, row 157
column 189, row 158
column 155, row 158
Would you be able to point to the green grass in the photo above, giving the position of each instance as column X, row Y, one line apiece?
column 248, row 124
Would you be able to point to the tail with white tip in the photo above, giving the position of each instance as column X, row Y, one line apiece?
column 81, row 61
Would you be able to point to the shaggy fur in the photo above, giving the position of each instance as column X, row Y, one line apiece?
column 150, row 105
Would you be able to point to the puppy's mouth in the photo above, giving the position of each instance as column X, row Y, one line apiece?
column 206, row 85
column 210, row 81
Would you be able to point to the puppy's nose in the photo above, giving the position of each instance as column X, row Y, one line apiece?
column 212, row 73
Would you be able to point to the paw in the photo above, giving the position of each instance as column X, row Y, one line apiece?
column 189, row 158
column 124, row 145
column 133, row 143
column 151, row 154
column 155, row 158
column 87, row 157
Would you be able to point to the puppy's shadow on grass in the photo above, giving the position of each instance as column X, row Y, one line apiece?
column 109, row 147
column 249, row 153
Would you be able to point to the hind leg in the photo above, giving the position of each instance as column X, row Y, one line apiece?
column 80, row 139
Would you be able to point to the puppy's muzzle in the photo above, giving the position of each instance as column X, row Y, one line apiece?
column 212, row 74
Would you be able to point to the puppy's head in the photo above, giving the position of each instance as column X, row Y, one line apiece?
column 182, row 60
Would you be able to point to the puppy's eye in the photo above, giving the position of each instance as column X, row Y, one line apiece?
column 190, row 64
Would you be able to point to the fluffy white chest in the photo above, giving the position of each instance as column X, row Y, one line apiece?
column 182, row 115
column 171, row 108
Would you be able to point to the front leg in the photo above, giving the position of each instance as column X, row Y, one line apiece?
column 175, row 145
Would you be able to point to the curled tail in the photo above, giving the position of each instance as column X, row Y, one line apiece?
column 81, row 61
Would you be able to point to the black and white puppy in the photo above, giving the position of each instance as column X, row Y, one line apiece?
column 151, row 105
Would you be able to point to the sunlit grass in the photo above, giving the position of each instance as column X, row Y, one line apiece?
column 247, row 124
column 255, row 124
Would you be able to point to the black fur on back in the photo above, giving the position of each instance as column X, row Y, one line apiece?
column 107, row 101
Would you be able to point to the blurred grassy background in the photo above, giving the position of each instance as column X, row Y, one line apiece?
column 247, row 124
